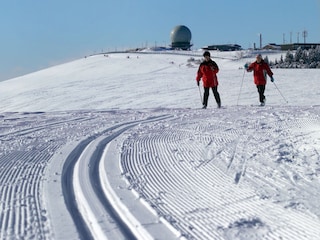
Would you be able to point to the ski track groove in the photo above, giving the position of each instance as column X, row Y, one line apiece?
column 77, row 203
column 25, row 151
column 30, row 175
column 198, row 160
column 170, row 159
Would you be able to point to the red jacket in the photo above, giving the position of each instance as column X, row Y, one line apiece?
column 260, row 71
column 208, row 72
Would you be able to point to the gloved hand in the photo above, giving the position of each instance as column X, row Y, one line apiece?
column 198, row 83
column 246, row 66
column 272, row 79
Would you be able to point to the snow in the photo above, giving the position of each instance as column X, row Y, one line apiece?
column 117, row 146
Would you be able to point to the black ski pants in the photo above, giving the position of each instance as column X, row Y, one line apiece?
column 206, row 95
column 261, row 89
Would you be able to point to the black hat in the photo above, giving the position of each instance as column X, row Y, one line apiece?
column 206, row 53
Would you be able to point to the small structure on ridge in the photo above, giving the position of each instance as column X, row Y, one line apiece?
column 181, row 38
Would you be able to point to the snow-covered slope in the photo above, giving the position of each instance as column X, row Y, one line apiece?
column 122, row 81
column 117, row 147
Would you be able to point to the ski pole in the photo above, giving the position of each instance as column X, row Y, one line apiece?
column 200, row 94
column 280, row 92
column 241, row 86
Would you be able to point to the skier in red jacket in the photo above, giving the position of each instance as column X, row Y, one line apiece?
column 260, row 71
column 207, row 71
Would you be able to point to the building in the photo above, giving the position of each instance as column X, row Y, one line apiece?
column 272, row 46
column 181, row 38
column 291, row 46
column 223, row 47
column 295, row 46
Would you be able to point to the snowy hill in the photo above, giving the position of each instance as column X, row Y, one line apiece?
column 117, row 147
column 122, row 81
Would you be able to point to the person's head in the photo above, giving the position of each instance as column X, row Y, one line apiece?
column 206, row 55
column 259, row 58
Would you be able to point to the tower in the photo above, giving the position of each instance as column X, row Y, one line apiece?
column 181, row 37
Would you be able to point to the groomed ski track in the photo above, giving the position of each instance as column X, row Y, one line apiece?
column 90, row 198
column 159, row 174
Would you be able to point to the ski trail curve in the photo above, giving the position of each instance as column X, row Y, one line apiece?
column 28, row 142
column 85, row 194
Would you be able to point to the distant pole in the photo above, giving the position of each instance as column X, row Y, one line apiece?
column 298, row 37
column 304, row 34
column 260, row 41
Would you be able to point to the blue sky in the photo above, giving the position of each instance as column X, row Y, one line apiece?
column 36, row 34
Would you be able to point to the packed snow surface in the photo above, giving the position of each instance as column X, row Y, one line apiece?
column 116, row 146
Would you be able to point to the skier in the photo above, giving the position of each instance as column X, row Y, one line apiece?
column 207, row 71
column 260, row 71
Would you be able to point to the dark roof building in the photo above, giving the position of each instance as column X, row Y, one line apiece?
column 295, row 46
column 223, row 47
column 272, row 46
column 291, row 46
